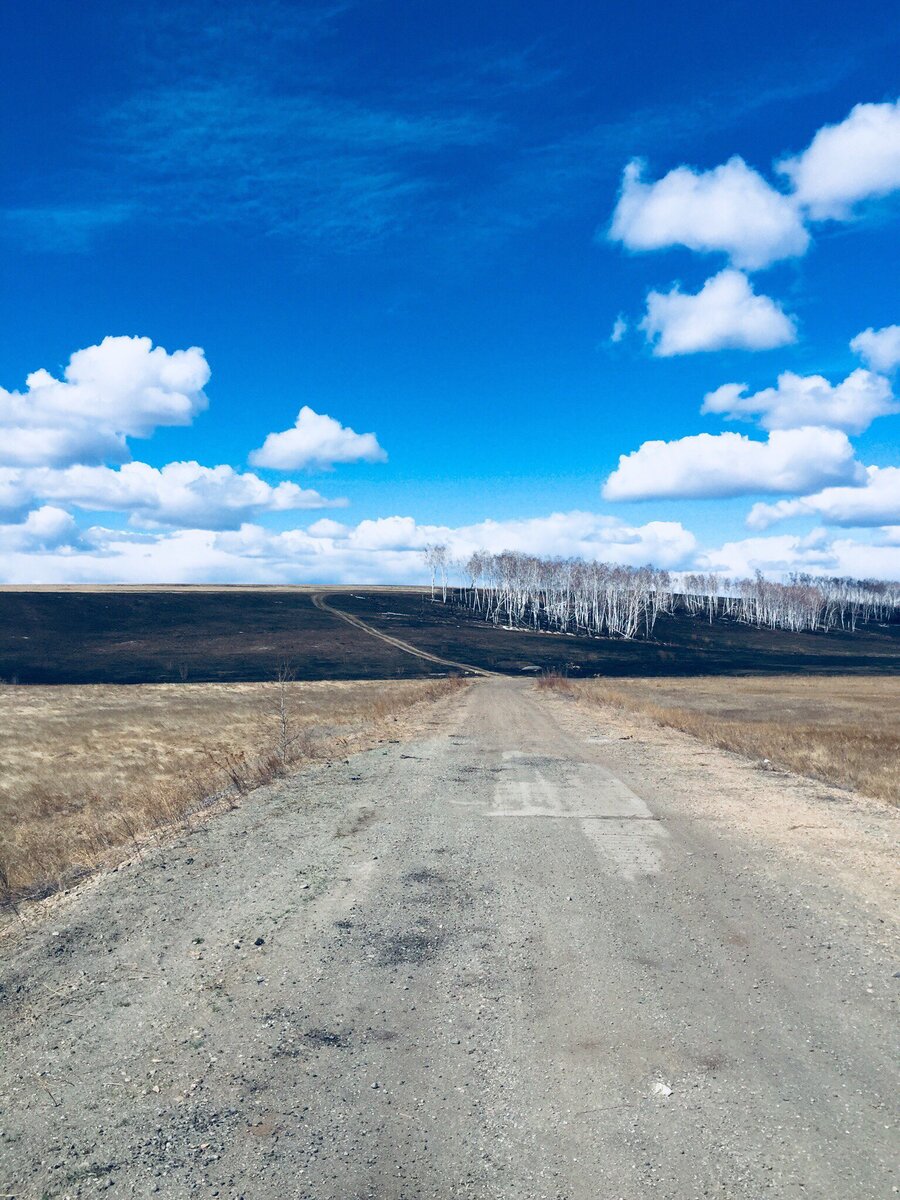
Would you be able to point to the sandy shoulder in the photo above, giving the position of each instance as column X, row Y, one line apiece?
column 833, row 832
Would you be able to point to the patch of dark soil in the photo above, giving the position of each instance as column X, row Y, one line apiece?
column 536, row 762
column 91, row 1171
column 66, row 941
column 424, row 875
column 711, row 1063
column 356, row 822
column 327, row 1038
column 412, row 947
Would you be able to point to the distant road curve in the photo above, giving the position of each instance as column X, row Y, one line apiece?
column 320, row 600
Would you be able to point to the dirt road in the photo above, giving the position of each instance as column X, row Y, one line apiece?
column 531, row 954
column 320, row 600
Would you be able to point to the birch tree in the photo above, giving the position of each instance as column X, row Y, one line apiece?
column 608, row 600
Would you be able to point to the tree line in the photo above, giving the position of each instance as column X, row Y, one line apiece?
column 607, row 600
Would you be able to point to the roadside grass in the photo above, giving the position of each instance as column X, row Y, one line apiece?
column 90, row 772
column 842, row 729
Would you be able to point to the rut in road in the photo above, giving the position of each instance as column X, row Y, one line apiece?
column 504, row 960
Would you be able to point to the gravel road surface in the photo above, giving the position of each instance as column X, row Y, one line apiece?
column 530, row 953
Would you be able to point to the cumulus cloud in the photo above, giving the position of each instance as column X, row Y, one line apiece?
column 877, row 502
column 725, row 314
column 575, row 534
column 183, row 494
column 316, row 440
column 777, row 556
column 808, row 400
column 569, row 534
column 731, row 464
column 880, row 348
column 123, row 387
column 388, row 550
column 326, row 527
column 855, row 160
column 866, row 560
column 773, row 556
column 59, row 437
column 730, row 209
column 46, row 528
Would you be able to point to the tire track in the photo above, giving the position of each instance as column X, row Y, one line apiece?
column 320, row 600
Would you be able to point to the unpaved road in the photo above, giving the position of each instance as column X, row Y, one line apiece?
column 320, row 600
column 473, row 965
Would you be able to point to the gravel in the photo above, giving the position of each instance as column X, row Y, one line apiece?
column 543, row 964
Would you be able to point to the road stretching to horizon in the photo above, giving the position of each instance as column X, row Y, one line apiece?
column 527, row 952
column 320, row 601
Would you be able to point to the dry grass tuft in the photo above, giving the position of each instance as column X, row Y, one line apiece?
column 843, row 730
column 89, row 772
column 551, row 681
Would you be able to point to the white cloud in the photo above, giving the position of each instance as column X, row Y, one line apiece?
column 730, row 464
column 808, row 400
column 774, row 556
column 38, row 445
column 571, row 534
column 725, row 314
column 388, row 550
column 46, row 528
column 183, row 494
column 875, row 503
column 122, row 388
column 619, row 329
column 845, row 163
column 57, row 438
column 326, row 527
column 15, row 495
column 584, row 535
column 815, row 553
column 866, row 560
column 879, row 348
column 316, row 440
column 730, row 209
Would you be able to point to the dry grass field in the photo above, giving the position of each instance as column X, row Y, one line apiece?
column 843, row 729
column 89, row 771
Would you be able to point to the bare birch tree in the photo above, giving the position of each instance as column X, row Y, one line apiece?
column 437, row 559
column 604, row 599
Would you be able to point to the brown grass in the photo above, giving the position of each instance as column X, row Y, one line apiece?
column 841, row 729
column 88, row 772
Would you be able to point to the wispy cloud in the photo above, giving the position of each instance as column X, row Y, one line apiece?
column 270, row 116
column 266, row 38
column 305, row 164
column 62, row 228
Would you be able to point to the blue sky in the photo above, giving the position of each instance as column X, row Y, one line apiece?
column 416, row 221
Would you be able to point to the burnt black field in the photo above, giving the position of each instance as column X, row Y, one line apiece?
column 195, row 636
column 185, row 636
column 682, row 644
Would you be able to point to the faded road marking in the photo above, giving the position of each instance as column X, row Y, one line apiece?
column 622, row 830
